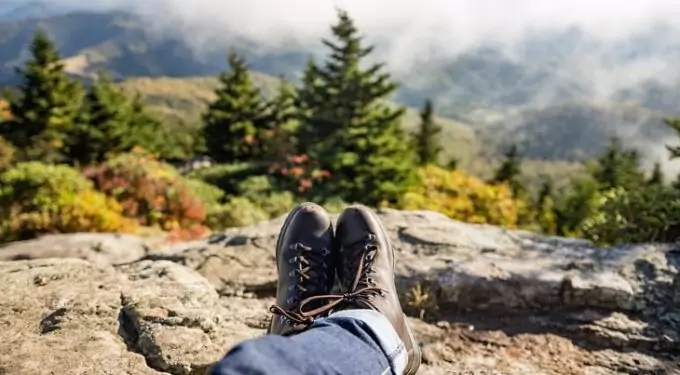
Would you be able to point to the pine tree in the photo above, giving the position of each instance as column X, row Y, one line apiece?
column 545, row 208
column 676, row 184
column 510, row 171
column 278, row 139
column 618, row 167
column 103, row 126
column 673, row 123
column 348, row 128
column 427, row 139
column 147, row 132
column 44, row 113
column 234, row 121
column 657, row 177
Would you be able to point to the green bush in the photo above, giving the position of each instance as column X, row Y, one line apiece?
column 210, row 195
column 642, row 215
column 36, row 198
column 237, row 212
column 228, row 177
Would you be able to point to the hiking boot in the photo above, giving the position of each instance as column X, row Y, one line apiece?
column 305, row 265
column 366, row 273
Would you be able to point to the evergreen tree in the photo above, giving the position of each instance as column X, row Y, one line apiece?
column 103, row 126
column 657, row 177
column 348, row 128
column 427, row 139
column 673, row 123
column 43, row 115
column 618, row 167
column 546, row 192
column 278, row 140
column 510, row 171
column 545, row 208
column 233, row 122
column 676, row 184
column 147, row 132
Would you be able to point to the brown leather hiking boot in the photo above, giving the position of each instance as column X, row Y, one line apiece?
column 305, row 264
column 366, row 273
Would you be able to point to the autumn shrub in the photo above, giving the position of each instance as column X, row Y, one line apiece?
column 300, row 175
column 150, row 191
column 36, row 198
column 461, row 197
column 631, row 216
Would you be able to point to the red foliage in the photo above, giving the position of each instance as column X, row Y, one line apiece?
column 298, row 173
column 149, row 191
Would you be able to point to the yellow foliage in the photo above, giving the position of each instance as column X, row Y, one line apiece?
column 462, row 197
column 4, row 110
column 36, row 199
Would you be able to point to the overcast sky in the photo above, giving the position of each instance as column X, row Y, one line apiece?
column 448, row 24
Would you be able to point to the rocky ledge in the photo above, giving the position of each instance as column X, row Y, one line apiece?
column 483, row 299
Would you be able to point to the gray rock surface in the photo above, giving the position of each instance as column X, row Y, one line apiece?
column 99, row 248
column 490, row 299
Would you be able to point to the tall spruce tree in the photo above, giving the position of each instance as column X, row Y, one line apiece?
column 618, row 167
column 510, row 171
column 347, row 126
column 147, row 132
column 43, row 114
column 233, row 122
column 673, row 123
column 103, row 126
column 278, row 139
column 428, row 145
column 657, row 177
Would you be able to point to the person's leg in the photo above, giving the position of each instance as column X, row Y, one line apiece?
column 368, row 333
column 360, row 342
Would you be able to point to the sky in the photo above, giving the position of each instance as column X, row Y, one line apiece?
column 451, row 25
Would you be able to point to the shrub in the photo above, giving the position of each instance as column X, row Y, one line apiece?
column 298, row 174
column 6, row 154
column 36, row 198
column 228, row 177
column 261, row 192
column 237, row 212
column 150, row 191
column 642, row 215
column 208, row 194
column 577, row 204
column 461, row 197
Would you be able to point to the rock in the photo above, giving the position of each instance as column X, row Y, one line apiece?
column 99, row 248
column 500, row 301
column 60, row 316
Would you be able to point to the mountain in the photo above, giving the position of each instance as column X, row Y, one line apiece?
column 542, row 92
column 17, row 10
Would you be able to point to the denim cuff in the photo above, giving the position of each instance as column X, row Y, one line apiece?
column 388, row 339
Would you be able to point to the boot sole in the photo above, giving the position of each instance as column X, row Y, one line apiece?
column 284, row 227
column 415, row 355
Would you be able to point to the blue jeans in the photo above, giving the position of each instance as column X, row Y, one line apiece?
column 350, row 342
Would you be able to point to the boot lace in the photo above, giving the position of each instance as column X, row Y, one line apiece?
column 363, row 287
column 311, row 276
